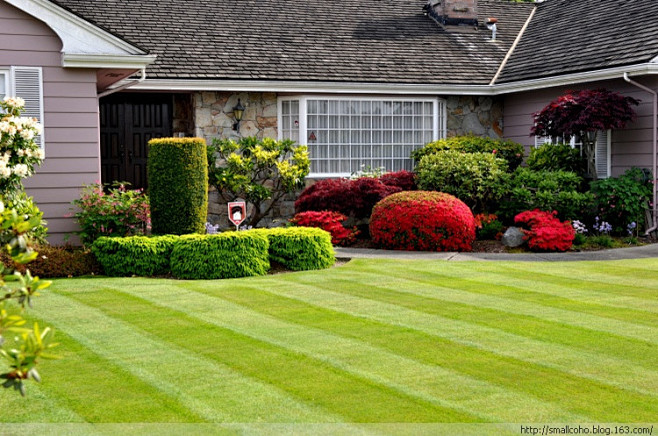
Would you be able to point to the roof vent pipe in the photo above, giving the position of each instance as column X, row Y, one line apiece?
column 491, row 25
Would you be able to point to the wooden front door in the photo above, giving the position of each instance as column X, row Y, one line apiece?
column 128, row 121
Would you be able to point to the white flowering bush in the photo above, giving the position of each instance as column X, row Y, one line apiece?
column 19, row 152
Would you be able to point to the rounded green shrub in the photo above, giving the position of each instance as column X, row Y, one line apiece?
column 478, row 179
column 422, row 221
column 557, row 157
column 178, row 185
column 300, row 248
column 220, row 256
column 559, row 191
column 511, row 151
column 134, row 255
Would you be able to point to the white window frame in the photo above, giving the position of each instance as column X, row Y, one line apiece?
column 439, row 122
column 602, row 135
column 4, row 78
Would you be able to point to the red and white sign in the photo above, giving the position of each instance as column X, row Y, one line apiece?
column 237, row 212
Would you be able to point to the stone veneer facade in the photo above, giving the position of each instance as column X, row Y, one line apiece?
column 212, row 114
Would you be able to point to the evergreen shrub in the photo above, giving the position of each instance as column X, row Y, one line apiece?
column 511, row 152
column 300, row 248
column 178, row 185
column 220, row 256
column 134, row 255
column 477, row 179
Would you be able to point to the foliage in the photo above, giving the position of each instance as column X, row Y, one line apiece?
column 548, row 191
column 487, row 226
column 328, row 221
column 259, row 171
column 511, row 151
column 353, row 198
column 422, row 221
column 545, row 232
column 178, row 185
column 582, row 114
column 117, row 212
column 623, row 200
column 478, row 179
column 25, row 206
column 220, row 256
column 58, row 261
column 298, row 248
column 557, row 157
column 30, row 344
column 134, row 256
column 405, row 180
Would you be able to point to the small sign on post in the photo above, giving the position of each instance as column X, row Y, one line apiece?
column 237, row 213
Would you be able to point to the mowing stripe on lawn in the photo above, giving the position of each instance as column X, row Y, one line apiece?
column 38, row 403
column 596, row 400
column 521, row 316
column 519, row 379
column 181, row 376
column 308, row 378
column 548, row 291
column 596, row 366
column 97, row 389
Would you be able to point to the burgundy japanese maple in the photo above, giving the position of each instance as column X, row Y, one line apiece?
column 583, row 114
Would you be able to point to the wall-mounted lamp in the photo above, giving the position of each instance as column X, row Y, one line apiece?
column 238, row 112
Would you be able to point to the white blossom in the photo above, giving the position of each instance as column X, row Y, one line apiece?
column 21, row 170
column 15, row 102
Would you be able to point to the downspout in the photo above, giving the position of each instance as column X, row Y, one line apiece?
column 655, row 146
column 125, row 85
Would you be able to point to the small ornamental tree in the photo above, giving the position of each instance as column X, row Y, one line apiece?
column 583, row 114
column 258, row 171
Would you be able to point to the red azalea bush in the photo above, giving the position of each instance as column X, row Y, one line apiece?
column 422, row 221
column 354, row 198
column 405, row 180
column 488, row 226
column 330, row 222
column 546, row 232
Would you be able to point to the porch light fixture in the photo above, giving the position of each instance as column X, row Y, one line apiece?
column 238, row 112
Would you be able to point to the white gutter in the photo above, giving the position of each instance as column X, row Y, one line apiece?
column 125, row 85
column 511, row 50
column 655, row 147
column 324, row 87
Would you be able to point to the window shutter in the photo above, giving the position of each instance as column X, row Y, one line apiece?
column 602, row 154
column 27, row 84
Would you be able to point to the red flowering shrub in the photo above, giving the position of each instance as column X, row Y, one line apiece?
column 488, row 226
column 546, row 232
column 405, row 180
column 354, row 198
column 330, row 222
column 422, row 221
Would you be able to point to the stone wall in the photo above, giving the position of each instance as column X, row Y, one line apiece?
column 213, row 118
column 481, row 116
column 213, row 115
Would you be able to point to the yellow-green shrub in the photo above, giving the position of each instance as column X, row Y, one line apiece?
column 300, row 248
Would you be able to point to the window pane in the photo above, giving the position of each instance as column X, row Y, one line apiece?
column 354, row 133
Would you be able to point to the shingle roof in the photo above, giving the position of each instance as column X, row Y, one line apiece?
column 570, row 36
column 318, row 40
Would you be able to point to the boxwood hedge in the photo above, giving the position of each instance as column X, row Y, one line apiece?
column 300, row 248
column 134, row 255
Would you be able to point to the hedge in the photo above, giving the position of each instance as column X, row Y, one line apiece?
column 300, row 248
column 178, row 185
column 221, row 256
column 134, row 255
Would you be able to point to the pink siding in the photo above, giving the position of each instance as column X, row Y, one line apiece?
column 70, row 117
column 630, row 147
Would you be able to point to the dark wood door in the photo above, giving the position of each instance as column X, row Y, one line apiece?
column 128, row 121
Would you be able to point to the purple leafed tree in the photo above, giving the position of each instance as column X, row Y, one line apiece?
column 583, row 114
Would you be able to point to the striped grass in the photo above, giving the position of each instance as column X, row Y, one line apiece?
column 374, row 341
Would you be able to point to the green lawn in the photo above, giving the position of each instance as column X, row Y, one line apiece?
column 373, row 341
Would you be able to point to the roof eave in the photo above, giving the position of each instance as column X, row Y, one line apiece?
column 124, row 62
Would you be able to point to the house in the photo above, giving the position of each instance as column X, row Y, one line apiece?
column 359, row 82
